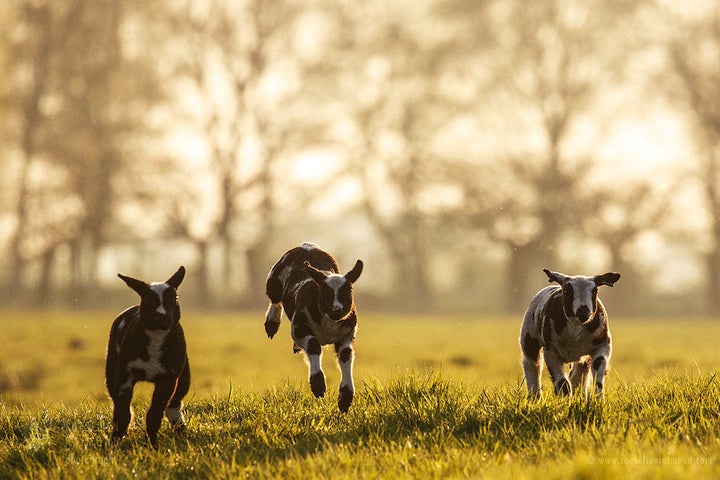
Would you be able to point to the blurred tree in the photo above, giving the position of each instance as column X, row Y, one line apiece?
column 85, row 99
column 37, row 41
column 693, row 50
column 236, row 61
column 386, row 64
column 476, row 109
column 552, row 64
column 621, row 217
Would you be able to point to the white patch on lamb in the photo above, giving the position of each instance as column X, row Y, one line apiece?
column 336, row 282
column 152, row 366
column 159, row 289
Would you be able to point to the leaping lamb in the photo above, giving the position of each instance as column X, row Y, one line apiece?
column 319, row 302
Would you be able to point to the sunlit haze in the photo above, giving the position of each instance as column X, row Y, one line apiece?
column 457, row 147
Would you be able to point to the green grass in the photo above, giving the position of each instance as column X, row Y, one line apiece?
column 411, row 427
column 437, row 397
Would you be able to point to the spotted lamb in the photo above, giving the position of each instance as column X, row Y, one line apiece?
column 569, row 323
column 147, row 344
column 318, row 300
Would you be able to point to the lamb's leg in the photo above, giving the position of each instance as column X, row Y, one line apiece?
column 121, row 407
column 313, row 353
column 556, row 367
column 164, row 390
column 111, row 371
column 310, row 346
column 274, row 290
column 346, row 357
column 579, row 374
column 173, row 412
column 272, row 319
column 531, row 364
column 600, row 366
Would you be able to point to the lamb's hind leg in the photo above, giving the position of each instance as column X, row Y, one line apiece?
column 272, row 319
column 531, row 364
column 173, row 412
column 274, row 290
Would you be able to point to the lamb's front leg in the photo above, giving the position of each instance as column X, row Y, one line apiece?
column 121, row 397
column 556, row 368
column 313, row 354
column 164, row 390
column 600, row 366
column 346, row 357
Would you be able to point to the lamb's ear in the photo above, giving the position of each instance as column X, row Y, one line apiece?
column 608, row 279
column 555, row 276
column 316, row 275
column 354, row 274
column 177, row 278
column 138, row 285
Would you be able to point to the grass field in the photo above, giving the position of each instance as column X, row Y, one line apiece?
column 438, row 397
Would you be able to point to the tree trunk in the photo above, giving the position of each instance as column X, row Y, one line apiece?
column 257, row 271
column 202, row 274
column 421, row 293
column 31, row 123
column 520, row 283
column 712, row 293
column 43, row 289
column 16, row 274
column 623, row 297
column 75, row 290
column 712, row 258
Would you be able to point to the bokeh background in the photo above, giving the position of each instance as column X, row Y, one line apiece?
column 457, row 146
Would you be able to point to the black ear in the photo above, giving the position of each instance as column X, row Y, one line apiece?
column 555, row 276
column 608, row 279
column 138, row 285
column 316, row 275
column 177, row 278
column 353, row 274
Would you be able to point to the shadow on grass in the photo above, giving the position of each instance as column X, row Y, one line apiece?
column 427, row 411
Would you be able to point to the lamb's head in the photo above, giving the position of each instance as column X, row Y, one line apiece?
column 159, row 306
column 335, row 296
column 580, row 293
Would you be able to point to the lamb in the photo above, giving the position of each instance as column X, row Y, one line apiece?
column 147, row 343
column 569, row 323
column 319, row 303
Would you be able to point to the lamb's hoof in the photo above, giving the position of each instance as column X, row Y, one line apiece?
column 345, row 398
column 179, row 428
column 599, row 391
column 271, row 328
column 317, row 384
column 533, row 396
column 563, row 388
column 117, row 436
